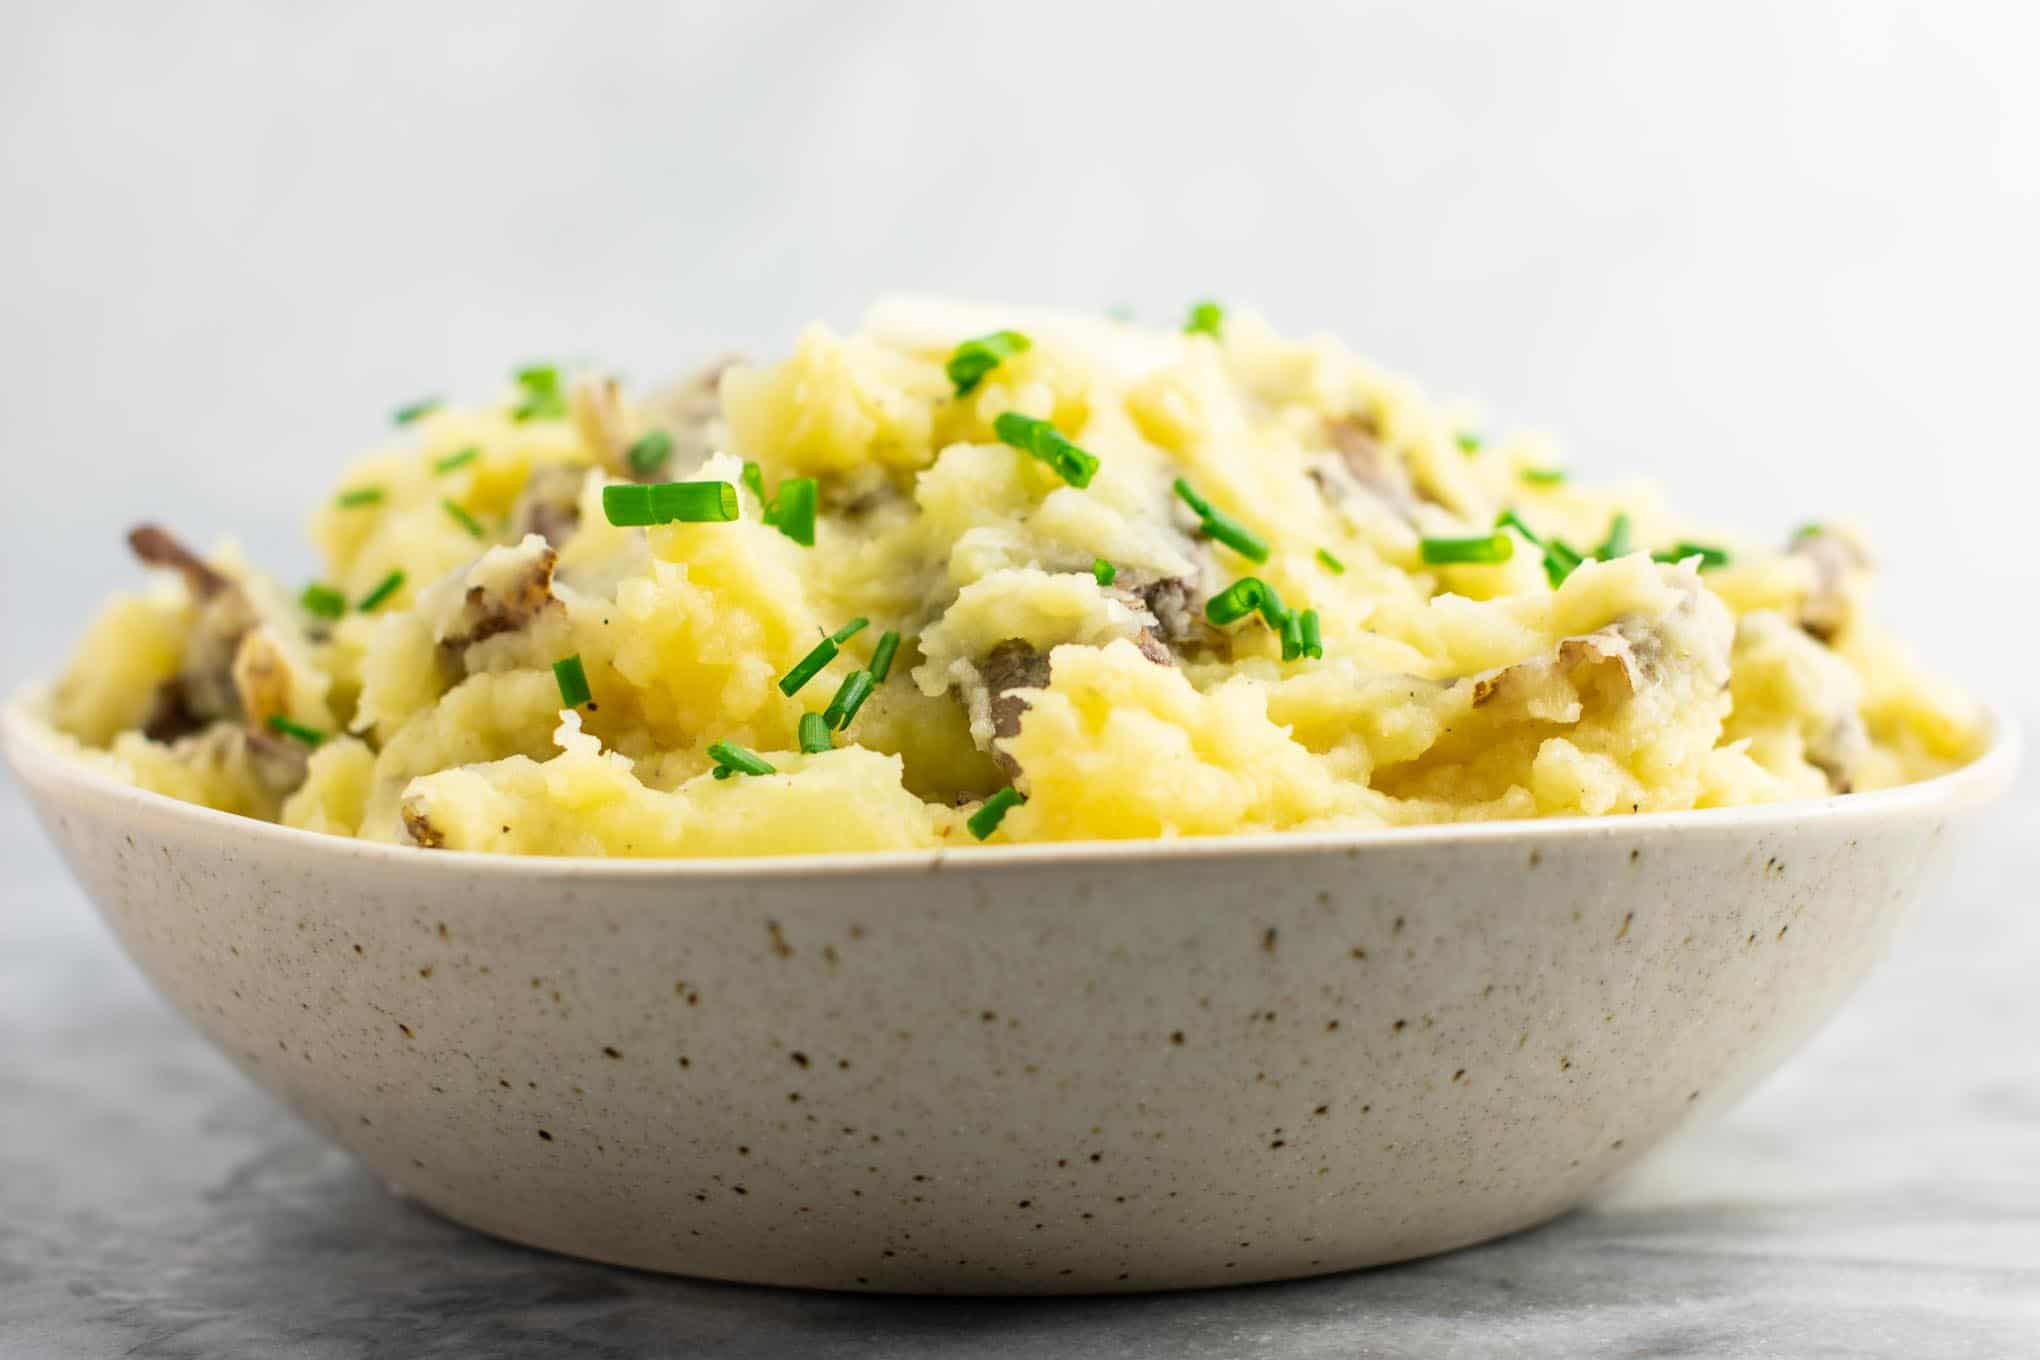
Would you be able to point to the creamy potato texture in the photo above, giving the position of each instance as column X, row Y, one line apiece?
column 1498, row 638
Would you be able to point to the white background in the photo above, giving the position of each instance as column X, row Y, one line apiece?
column 1779, row 256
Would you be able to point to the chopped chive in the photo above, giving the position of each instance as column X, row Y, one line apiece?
column 358, row 497
column 1332, row 564
column 1206, row 318
column 1039, row 438
column 882, row 655
column 850, row 697
column 986, row 819
column 573, row 682
column 754, row 480
column 463, row 518
column 1549, row 476
column 543, row 399
column 865, row 689
column 388, row 586
column 850, row 629
column 808, row 667
column 454, row 462
column 284, row 727
column 1292, row 637
column 814, row 734
column 648, row 453
column 549, row 407
column 417, row 410
column 973, row 359
column 1469, row 443
column 1236, row 601
column 1559, row 557
column 1485, row 550
column 1222, row 527
column 1710, row 557
column 731, row 756
column 1616, row 544
column 1103, row 572
column 722, row 772
column 323, row 602
column 1313, row 640
column 632, row 503
column 792, row 511
column 1235, row 535
column 1272, row 608
column 1809, row 529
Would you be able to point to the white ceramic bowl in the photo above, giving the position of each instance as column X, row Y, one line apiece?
column 1054, row 1068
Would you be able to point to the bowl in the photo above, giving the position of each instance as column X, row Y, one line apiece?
column 1064, row 1068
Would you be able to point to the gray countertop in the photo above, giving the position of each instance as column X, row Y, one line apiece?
column 1880, row 1196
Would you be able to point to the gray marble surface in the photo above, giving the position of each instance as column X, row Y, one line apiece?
column 1878, row 1197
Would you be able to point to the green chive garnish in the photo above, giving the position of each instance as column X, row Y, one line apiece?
column 632, row 504
column 1272, row 608
column 1469, row 443
column 454, row 462
column 1710, row 557
column 543, row 399
column 1485, row 549
column 882, row 655
column 1235, row 535
column 1332, row 564
column 973, row 359
column 1103, row 572
column 1559, row 557
column 573, row 682
column 358, row 497
column 850, row 697
column 850, row 629
column 1292, row 637
column 1616, row 544
column 807, row 667
column 1222, row 527
column 461, row 517
column 730, row 756
column 648, row 453
column 1808, row 530
column 388, row 586
column 1544, row 476
column 1313, row 640
column 792, row 510
column 814, row 734
column 1206, row 318
column 1241, row 598
column 1039, row 438
column 284, row 727
column 417, row 410
column 323, row 602
column 722, row 772
column 986, row 819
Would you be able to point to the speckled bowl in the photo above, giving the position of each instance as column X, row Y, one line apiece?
column 1055, row 1068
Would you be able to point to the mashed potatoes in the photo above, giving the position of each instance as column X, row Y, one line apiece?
column 992, row 574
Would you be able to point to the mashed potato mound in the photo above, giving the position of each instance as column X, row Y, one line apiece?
column 1155, row 583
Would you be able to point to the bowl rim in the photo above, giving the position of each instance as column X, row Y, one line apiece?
column 31, row 747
